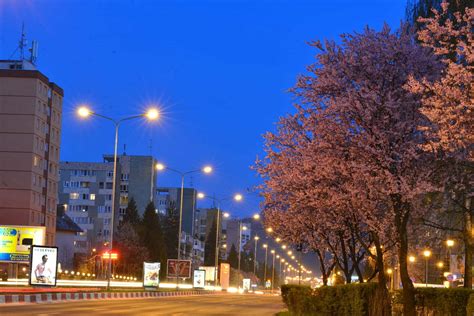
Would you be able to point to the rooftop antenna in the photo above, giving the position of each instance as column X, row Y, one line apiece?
column 124, row 149
column 22, row 43
column 33, row 52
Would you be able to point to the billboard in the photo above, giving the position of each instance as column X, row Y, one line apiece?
column 246, row 284
column 199, row 278
column 181, row 268
column 15, row 242
column 210, row 273
column 43, row 266
column 151, row 274
column 225, row 275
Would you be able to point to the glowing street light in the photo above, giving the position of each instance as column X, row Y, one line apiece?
column 426, row 254
column 411, row 259
column 85, row 112
column 256, row 217
column 450, row 242
column 269, row 230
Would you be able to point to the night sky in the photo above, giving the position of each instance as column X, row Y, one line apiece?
column 219, row 71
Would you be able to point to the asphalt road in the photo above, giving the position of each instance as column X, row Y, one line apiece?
column 219, row 304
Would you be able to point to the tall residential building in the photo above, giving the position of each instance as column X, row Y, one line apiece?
column 233, row 229
column 137, row 180
column 30, row 133
column 171, row 198
column 85, row 191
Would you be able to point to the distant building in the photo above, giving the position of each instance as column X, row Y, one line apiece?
column 86, row 193
column 137, row 180
column 169, row 197
column 233, row 229
column 204, row 219
column 66, row 231
column 30, row 134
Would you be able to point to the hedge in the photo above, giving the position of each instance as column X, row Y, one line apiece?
column 439, row 301
column 340, row 300
column 357, row 299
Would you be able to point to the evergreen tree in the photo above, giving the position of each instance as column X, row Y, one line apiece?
column 152, row 237
column 132, row 252
column 131, row 213
column 233, row 258
column 210, row 246
column 170, row 222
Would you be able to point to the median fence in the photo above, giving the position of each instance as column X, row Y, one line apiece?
column 58, row 297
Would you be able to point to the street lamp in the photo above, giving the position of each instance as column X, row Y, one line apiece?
column 256, row 238
column 265, row 246
column 411, row 259
column 205, row 170
column 84, row 112
column 390, row 272
column 426, row 254
column 237, row 197
column 273, row 268
column 241, row 228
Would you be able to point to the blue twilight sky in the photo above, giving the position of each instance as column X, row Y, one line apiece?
column 219, row 70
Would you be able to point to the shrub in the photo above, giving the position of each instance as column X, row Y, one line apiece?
column 351, row 299
column 438, row 301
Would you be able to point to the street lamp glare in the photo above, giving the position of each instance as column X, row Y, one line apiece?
column 273, row 251
column 84, row 111
column 269, row 230
column 278, row 239
column 207, row 169
column 226, row 215
column 440, row 264
column 201, row 195
column 160, row 166
column 265, row 245
column 238, row 197
column 389, row 271
column 450, row 242
column 427, row 253
column 283, row 246
column 290, row 253
column 411, row 259
column 244, row 227
column 256, row 238
column 152, row 114
column 256, row 217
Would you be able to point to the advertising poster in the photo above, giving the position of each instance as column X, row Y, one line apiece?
column 246, row 284
column 44, row 265
column 210, row 273
column 225, row 275
column 182, row 269
column 15, row 242
column 199, row 279
column 151, row 274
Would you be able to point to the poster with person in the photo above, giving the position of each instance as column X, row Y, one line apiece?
column 43, row 265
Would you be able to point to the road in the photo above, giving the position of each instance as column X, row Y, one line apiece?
column 219, row 304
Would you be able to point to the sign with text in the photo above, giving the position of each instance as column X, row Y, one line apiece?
column 151, row 274
column 15, row 242
column 180, row 269
column 43, row 266
column 225, row 275
column 199, row 279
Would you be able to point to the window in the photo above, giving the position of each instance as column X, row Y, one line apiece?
column 108, row 197
column 92, row 197
column 74, row 196
column 85, row 184
column 36, row 161
column 109, row 186
column 66, row 184
column 101, row 185
column 110, row 174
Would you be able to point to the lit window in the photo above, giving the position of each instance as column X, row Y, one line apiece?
column 92, row 197
column 36, row 161
column 73, row 196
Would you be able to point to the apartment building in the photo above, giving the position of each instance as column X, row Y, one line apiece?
column 30, row 133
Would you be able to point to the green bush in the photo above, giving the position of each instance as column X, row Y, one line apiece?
column 439, row 301
column 340, row 300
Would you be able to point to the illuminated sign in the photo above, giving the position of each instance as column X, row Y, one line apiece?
column 43, row 266
column 106, row 255
column 199, row 278
column 151, row 274
column 15, row 242
column 180, row 269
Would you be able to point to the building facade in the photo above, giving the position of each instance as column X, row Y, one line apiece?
column 168, row 197
column 86, row 193
column 30, row 133
column 137, row 180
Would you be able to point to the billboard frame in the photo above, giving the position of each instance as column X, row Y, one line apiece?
column 177, row 275
column 31, row 266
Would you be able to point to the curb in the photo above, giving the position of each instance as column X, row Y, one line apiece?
column 65, row 297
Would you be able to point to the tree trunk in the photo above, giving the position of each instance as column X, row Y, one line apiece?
column 409, row 305
column 382, row 304
column 468, row 244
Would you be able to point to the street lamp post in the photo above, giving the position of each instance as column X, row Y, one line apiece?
column 241, row 228
column 256, row 238
column 237, row 197
column 426, row 254
column 206, row 170
column 265, row 246
column 152, row 115
column 273, row 268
